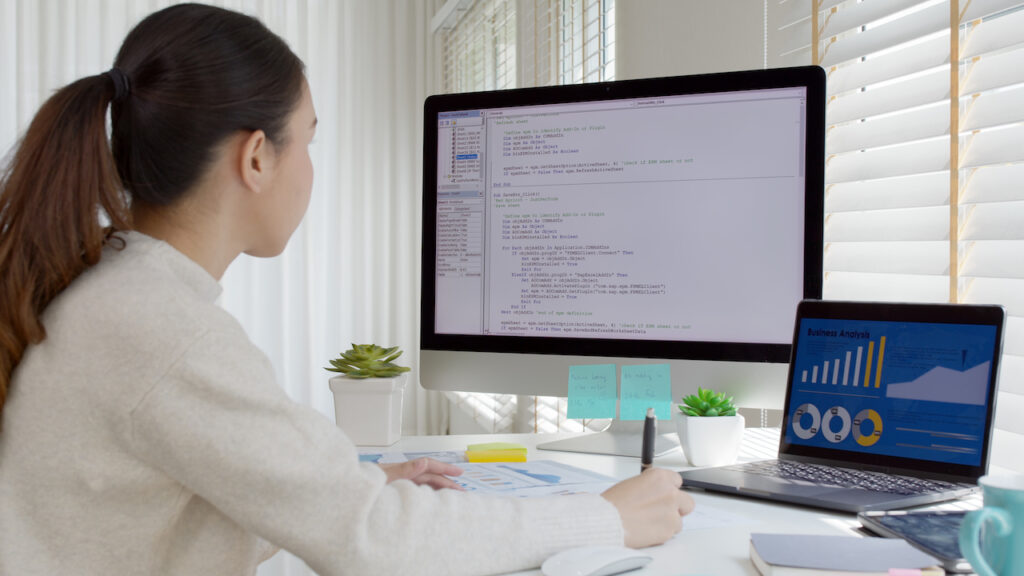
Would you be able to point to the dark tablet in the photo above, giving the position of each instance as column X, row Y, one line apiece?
column 935, row 532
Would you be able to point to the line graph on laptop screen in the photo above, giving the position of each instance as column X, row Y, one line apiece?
column 904, row 389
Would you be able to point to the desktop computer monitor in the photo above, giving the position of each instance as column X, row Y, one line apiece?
column 668, row 220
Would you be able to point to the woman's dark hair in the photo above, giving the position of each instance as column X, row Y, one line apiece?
column 186, row 78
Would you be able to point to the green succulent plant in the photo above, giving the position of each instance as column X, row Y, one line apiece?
column 368, row 361
column 707, row 403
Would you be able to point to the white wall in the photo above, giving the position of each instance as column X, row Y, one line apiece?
column 673, row 37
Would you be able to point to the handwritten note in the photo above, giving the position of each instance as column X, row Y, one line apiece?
column 646, row 386
column 592, row 391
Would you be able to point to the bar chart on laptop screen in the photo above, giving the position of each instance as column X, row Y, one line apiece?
column 894, row 388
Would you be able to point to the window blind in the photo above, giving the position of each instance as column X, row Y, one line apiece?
column 494, row 44
column 480, row 48
column 587, row 41
column 566, row 41
column 538, row 43
column 990, row 177
column 924, row 198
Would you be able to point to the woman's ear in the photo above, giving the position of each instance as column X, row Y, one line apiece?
column 254, row 161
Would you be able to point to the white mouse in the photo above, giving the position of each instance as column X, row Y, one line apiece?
column 594, row 561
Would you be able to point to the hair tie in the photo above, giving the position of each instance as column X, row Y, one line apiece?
column 122, row 87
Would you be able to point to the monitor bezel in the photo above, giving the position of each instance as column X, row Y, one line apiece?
column 812, row 78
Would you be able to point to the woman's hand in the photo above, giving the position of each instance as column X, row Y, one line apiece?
column 425, row 472
column 651, row 506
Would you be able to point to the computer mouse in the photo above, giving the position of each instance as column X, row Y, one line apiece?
column 594, row 561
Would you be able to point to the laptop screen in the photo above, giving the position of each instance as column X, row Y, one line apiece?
column 893, row 388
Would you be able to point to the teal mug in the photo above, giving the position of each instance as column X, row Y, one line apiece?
column 992, row 538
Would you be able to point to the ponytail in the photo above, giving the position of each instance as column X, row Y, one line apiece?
column 54, row 196
column 186, row 78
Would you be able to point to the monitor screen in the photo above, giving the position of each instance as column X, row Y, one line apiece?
column 659, row 219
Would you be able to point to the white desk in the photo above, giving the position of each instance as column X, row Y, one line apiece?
column 717, row 551
column 721, row 551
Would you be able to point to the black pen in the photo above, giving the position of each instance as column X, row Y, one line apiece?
column 647, row 449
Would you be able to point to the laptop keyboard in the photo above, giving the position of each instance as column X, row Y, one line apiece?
column 845, row 477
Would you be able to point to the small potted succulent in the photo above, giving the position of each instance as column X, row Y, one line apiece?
column 710, row 430
column 368, row 394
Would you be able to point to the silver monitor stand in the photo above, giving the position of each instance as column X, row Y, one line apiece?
column 622, row 438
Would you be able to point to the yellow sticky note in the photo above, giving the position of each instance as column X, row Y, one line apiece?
column 496, row 452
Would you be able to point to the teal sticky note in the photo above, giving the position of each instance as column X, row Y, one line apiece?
column 646, row 386
column 592, row 391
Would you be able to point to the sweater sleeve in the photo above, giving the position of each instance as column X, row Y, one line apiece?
column 217, row 423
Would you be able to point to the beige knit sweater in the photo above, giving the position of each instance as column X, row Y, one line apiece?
column 146, row 435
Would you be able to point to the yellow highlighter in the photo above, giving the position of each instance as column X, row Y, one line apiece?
column 496, row 452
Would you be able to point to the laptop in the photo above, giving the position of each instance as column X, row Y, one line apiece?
column 888, row 405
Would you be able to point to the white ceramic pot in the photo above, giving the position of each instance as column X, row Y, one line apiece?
column 710, row 440
column 369, row 410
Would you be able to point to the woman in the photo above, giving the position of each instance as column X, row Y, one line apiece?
column 141, row 431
